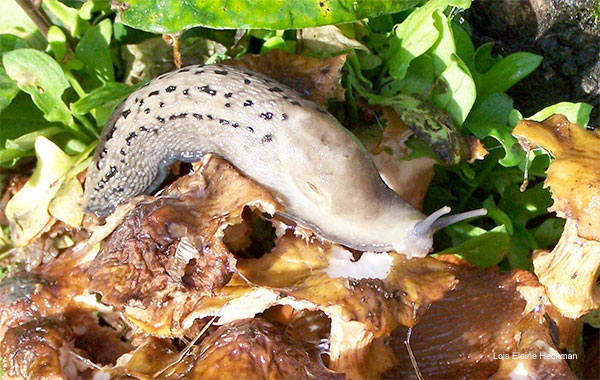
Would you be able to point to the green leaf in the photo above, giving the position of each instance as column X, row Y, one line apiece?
column 505, row 73
column 8, row 89
column 42, row 78
column 548, row 233
column 444, row 48
column 459, row 93
column 67, row 16
column 418, row 80
column 578, row 113
column 26, row 142
column 490, row 119
column 415, row 35
column 101, row 95
column 94, row 51
column 103, row 100
column 485, row 250
column 483, row 59
column 462, row 40
column 168, row 16
column 58, row 42
column 14, row 21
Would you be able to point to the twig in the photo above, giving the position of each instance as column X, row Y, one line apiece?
column 36, row 15
column 411, row 355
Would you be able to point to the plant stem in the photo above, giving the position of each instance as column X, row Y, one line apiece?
column 36, row 15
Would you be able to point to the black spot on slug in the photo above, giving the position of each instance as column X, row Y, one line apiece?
column 284, row 116
column 171, row 88
column 144, row 129
column 186, row 91
column 208, row 90
column 160, row 119
column 235, row 125
column 275, row 89
column 126, row 113
column 296, row 103
column 146, row 84
column 267, row 115
column 199, row 72
column 197, row 116
column 153, row 93
column 111, row 173
column 111, row 132
column 223, row 122
column 130, row 137
column 247, row 81
column 227, row 105
column 123, row 152
column 183, row 70
column 285, row 97
column 210, row 117
column 103, row 153
column 250, row 129
column 161, row 104
column 155, row 130
column 228, row 94
column 163, row 76
column 178, row 116
column 147, row 111
column 267, row 138
column 248, row 103
column 119, row 189
column 221, row 72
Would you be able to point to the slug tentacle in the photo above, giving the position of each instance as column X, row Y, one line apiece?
column 318, row 170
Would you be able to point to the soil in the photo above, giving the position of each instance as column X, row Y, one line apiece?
column 565, row 32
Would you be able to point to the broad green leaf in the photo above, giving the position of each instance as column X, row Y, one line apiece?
column 41, row 77
column 459, row 91
column 89, row 7
column 444, row 48
column 483, row 59
column 418, row 80
column 490, row 119
column 94, row 51
column 58, row 42
column 169, row 16
column 485, row 250
column 415, row 35
column 67, row 16
column 27, row 141
column 99, row 96
column 9, row 42
column 505, row 73
column 21, row 117
column 462, row 40
column 8, row 89
column 27, row 211
column 548, row 233
column 578, row 113
column 14, row 21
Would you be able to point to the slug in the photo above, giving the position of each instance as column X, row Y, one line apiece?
column 315, row 168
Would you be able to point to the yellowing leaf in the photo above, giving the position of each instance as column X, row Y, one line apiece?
column 66, row 205
column 27, row 211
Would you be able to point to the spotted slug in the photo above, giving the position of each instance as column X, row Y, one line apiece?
column 315, row 168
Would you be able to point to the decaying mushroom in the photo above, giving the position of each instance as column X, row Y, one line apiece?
column 570, row 270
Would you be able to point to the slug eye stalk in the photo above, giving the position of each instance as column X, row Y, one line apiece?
column 436, row 221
